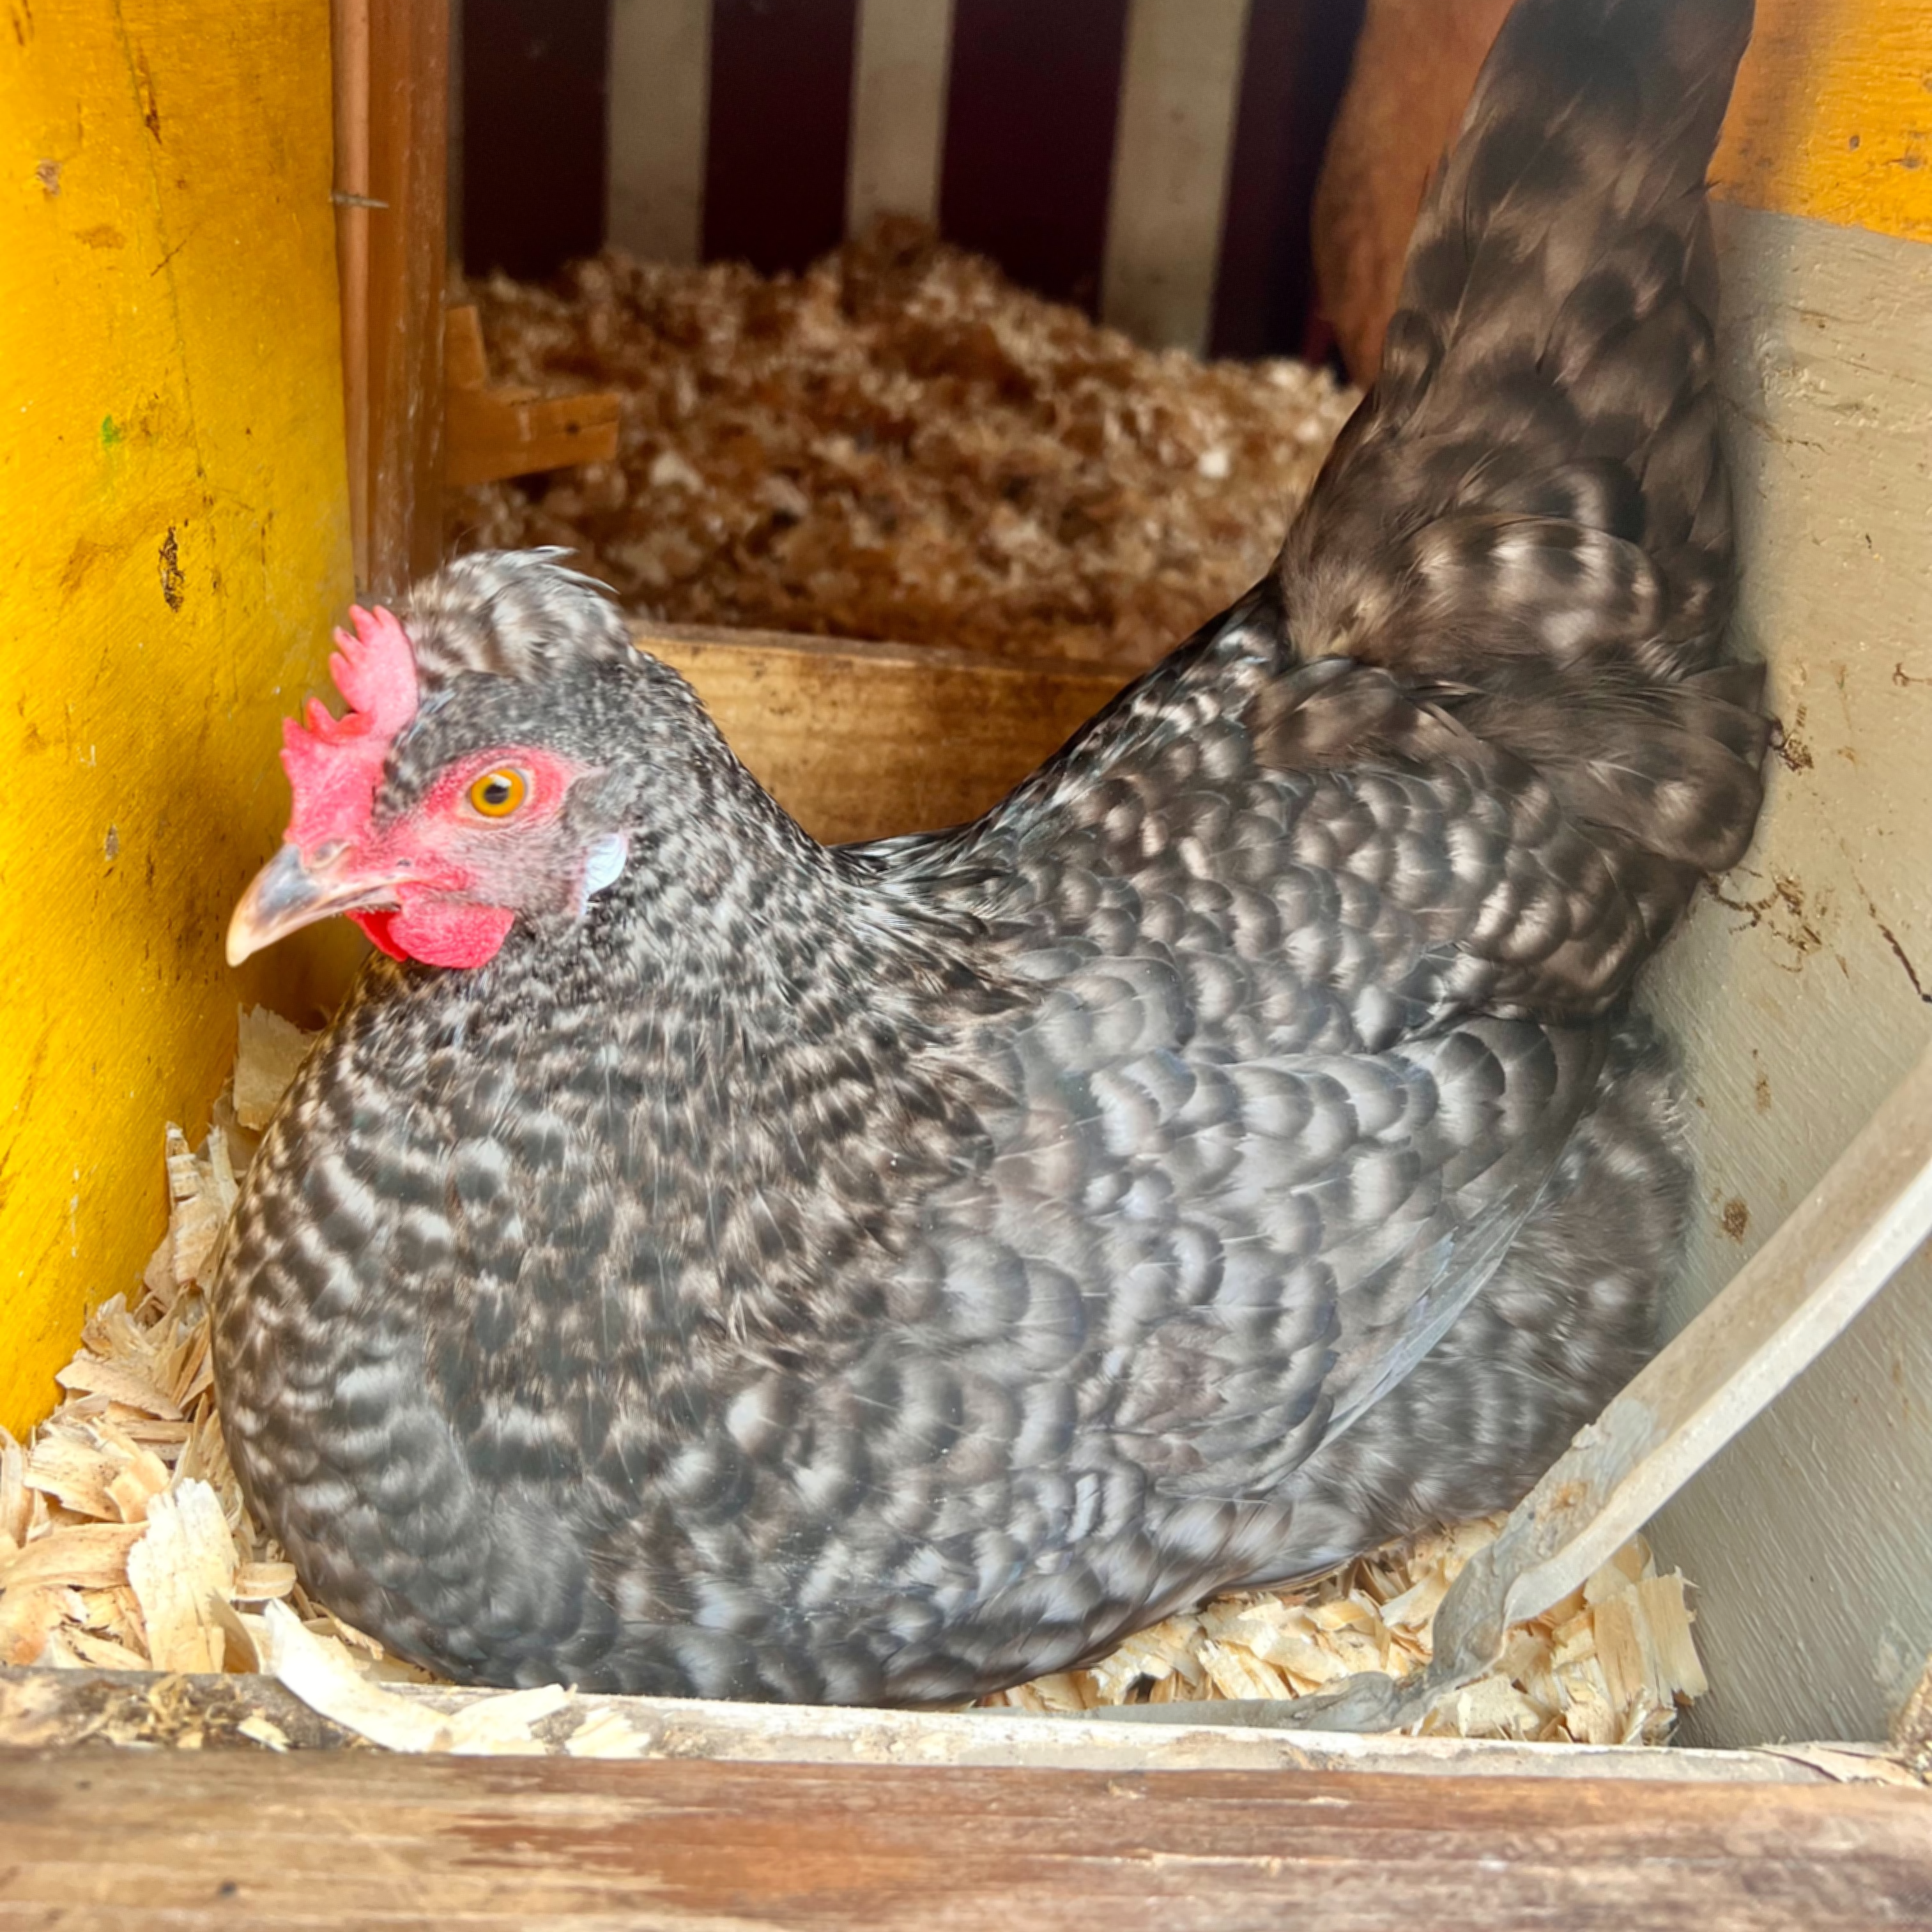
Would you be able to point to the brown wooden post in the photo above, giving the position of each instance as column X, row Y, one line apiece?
column 391, row 136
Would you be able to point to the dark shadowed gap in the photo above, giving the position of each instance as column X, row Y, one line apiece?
column 1293, row 68
column 535, row 78
column 780, row 129
column 1031, row 112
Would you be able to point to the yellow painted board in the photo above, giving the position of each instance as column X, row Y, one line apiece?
column 173, row 493
column 1832, row 117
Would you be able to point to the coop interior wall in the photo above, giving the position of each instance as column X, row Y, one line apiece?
column 1151, row 161
column 1799, row 992
column 172, row 484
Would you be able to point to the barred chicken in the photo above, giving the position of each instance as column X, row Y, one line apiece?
column 697, row 1261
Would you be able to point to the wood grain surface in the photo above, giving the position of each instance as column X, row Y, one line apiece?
column 134, row 1841
column 861, row 741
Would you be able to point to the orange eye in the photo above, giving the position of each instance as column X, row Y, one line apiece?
column 499, row 793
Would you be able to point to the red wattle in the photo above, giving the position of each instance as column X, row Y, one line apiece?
column 443, row 934
column 377, row 924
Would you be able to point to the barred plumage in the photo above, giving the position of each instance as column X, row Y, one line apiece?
column 887, row 1272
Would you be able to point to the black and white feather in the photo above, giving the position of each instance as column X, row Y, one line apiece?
column 885, row 1273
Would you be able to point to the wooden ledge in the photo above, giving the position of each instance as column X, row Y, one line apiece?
column 862, row 741
column 489, row 433
column 136, row 1841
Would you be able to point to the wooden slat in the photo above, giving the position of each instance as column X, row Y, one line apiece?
column 171, row 487
column 1293, row 65
column 778, row 130
column 899, row 110
column 407, row 51
column 509, row 431
column 660, row 92
column 464, row 365
column 327, row 1839
column 42, row 1708
column 1033, row 100
column 1799, row 1003
column 534, row 89
column 1830, row 117
column 348, row 56
column 1179, row 88
column 859, row 741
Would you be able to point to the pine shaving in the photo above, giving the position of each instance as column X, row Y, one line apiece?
column 1612, row 1665
column 179, row 1571
column 124, row 1545
column 899, row 445
column 268, row 1052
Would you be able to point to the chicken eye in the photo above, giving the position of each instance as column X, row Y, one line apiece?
column 499, row 793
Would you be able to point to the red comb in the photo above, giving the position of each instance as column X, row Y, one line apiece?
column 335, row 763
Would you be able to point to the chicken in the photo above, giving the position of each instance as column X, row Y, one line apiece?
column 697, row 1261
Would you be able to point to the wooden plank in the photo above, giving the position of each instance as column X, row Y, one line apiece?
column 326, row 1839
column 1179, row 84
column 1833, row 115
column 1294, row 66
column 859, row 741
column 408, row 53
column 899, row 110
column 1032, row 99
column 348, row 56
column 464, row 364
column 660, row 93
column 509, row 431
column 40, row 1707
column 533, row 87
column 1795, row 1296
column 778, row 130
column 1797, row 990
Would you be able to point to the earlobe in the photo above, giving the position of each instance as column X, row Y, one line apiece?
column 604, row 865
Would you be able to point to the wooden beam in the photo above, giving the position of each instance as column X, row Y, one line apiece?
column 1180, row 87
column 861, row 741
column 391, row 131
column 185, row 1840
column 507, row 431
column 41, row 1708
column 348, row 48
column 660, row 90
column 172, row 486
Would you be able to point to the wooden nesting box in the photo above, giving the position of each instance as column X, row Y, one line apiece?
column 189, row 267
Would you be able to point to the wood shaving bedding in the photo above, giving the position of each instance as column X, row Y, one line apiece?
column 898, row 444
column 1611, row 1665
column 124, row 1544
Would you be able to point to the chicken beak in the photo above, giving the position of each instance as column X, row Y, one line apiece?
column 288, row 893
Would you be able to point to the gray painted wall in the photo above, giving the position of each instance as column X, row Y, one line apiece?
column 1798, row 991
